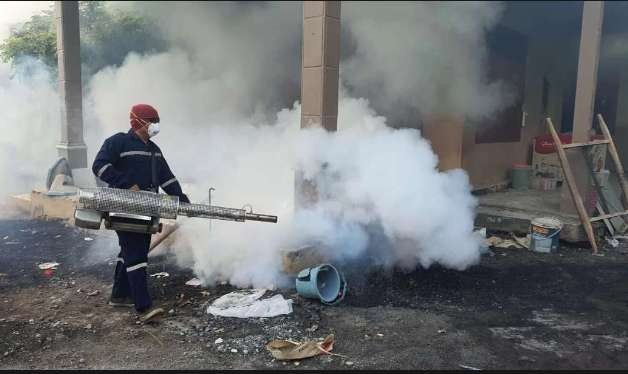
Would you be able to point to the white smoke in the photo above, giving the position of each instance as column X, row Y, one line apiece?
column 217, row 91
column 430, row 56
column 377, row 177
column 29, row 111
column 29, row 124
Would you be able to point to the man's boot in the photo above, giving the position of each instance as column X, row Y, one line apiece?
column 126, row 302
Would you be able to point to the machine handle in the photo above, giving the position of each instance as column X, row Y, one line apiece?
column 260, row 217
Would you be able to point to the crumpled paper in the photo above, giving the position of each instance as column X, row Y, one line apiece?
column 289, row 350
column 246, row 304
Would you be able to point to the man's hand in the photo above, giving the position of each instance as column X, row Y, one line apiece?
column 135, row 187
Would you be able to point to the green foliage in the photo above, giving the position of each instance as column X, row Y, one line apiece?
column 34, row 38
column 107, row 36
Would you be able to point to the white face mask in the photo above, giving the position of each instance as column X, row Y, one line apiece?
column 153, row 129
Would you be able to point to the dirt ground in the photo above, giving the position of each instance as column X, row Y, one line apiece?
column 515, row 310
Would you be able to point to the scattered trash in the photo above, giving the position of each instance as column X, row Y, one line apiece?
column 498, row 242
column 194, row 282
column 481, row 234
column 205, row 293
column 322, row 282
column 5, row 238
column 233, row 350
column 312, row 329
column 12, row 243
column 57, row 236
column 349, row 363
column 49, row 265
column 93, row 293
column 613, row 242
column 380, row 335
column 88, row 239
column 442, row 331
column 218, row 341
column 289, row 350
column 161, row 274
column 523, row 242
column 466, row 367
column 246, row 304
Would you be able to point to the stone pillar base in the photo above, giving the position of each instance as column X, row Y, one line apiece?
column 75, row 154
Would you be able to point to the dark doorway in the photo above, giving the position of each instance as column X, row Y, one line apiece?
column 507, row 53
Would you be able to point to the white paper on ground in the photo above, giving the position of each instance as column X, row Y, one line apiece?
column 48, row 265
column 246, row 304
column 194, row 282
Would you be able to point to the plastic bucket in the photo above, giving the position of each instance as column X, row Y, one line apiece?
column 520, row 177
column 544, row 234
column 322, row 282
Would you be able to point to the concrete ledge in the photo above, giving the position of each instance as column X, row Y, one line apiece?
column 21, row 202
column 519, row 222
column 40, row 205
column 295, row 261
column 45, row 206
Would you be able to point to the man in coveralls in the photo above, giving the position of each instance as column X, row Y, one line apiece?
column 127, row 160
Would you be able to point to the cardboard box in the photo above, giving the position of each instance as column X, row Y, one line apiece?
column 546, row 165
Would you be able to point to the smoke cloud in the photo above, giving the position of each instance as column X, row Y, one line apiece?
column 422, row 57
column 29, row 124
column 227, row 95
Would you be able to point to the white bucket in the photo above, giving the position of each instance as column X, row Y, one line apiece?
column 544, row 234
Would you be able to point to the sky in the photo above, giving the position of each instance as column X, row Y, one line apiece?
column 12, row 12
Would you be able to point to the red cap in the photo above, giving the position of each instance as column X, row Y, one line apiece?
column 144, row 112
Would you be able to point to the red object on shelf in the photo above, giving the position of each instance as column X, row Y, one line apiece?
column 544, row 144
column 521, row 166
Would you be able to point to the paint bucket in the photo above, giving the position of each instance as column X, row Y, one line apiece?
column 322, row 282
column 520, row 174
column 544, row 234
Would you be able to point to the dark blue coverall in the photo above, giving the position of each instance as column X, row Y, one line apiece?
column 124, row 160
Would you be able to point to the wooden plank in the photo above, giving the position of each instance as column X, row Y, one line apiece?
column 609, row 215
column 591, row 143
column 612, row 195
column 615, row 156
column 573, row 189
column 609, row 227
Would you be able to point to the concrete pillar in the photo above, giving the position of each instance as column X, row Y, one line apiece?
column 71, row 145
column 319, row 78
column 590, row 36
column 591, row 33
column 320, row 61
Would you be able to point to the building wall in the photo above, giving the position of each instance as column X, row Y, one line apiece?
column 621, row 121
column 489, row 164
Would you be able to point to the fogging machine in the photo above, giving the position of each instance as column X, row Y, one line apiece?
column 140, row 211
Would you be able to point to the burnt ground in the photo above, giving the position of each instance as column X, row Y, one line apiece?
column 515, row 310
